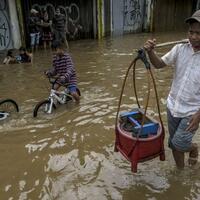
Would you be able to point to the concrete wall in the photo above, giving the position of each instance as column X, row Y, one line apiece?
column 9, row 26
column 133, row 14
column 128, row 16
column 5, row 26
column 117, row 17
column 14, row 24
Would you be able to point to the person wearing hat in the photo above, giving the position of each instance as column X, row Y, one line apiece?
column 34, row 29
column 183, row 102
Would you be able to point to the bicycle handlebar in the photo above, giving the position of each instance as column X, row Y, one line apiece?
column 54, row 79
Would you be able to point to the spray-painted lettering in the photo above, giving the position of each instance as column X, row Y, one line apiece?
column 5, row 36
column 72, row 14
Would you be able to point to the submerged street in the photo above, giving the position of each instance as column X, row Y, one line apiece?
column 70, row 154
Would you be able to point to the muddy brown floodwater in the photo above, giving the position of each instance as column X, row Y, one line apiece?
column 69, row 155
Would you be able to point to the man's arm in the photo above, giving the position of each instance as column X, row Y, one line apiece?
column 155, row 59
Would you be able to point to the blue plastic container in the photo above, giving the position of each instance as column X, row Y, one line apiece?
column 134, row 119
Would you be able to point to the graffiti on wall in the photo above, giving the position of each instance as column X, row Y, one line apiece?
column 72, row 14
column 132, row 13
column 5, row 35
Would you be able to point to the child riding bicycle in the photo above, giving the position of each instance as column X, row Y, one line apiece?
column 63, row 69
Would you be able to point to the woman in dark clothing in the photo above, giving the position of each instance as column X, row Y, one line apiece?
column 46, row 30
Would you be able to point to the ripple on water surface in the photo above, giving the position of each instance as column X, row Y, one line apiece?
column 70, row 154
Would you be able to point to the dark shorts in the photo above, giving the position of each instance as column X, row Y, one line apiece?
column 179, row 138
column 60, row 35
column 72, row 88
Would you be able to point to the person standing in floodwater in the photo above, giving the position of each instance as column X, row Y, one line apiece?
column 59, row 27
column 34, row 29
column 183, row 103
column 46, row 30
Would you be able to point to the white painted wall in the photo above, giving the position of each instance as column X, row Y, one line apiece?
column 14, row 24
column 148, row 18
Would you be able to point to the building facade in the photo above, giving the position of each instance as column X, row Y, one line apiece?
column 95, row 18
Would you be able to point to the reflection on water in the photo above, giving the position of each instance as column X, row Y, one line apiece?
column 69, row 154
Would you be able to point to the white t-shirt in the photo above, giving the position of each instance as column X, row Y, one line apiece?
column 184, row 97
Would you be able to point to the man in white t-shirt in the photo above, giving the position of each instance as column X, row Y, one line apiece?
column 183, row 102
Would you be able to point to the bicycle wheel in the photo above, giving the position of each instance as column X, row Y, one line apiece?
column 42, row 107
column 9, row 106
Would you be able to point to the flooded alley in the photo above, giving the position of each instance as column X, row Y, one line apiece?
column 69, row 154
